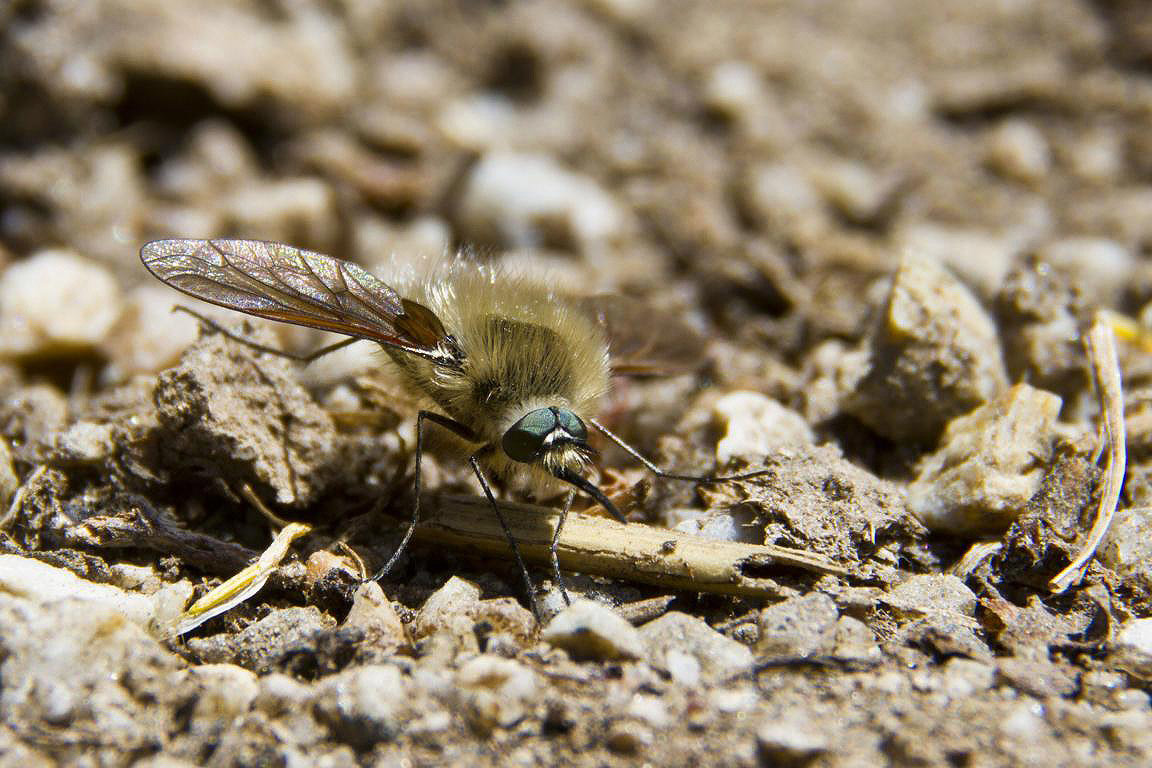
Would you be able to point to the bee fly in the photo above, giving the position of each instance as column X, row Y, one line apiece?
column 513, row 368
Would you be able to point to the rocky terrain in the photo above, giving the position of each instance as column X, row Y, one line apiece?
column 911, row 238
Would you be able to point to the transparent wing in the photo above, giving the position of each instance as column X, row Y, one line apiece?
column 644, row 340
column 292, row 285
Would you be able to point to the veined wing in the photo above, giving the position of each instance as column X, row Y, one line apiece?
column 644, row 340
column 292, row 285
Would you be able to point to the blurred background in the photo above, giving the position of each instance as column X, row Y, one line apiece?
column 758, row 166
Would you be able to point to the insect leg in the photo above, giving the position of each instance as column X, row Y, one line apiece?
column 706, row 479
column 555, row 542
column 508, row 534
column 452, row 426
column 308, row 358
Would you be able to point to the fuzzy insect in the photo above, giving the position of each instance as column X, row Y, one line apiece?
column 513, row 368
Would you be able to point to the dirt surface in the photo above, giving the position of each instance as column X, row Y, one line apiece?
column 891, row 223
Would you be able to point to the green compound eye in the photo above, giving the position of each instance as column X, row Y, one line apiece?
column 528, row 438
column 570, row 423
column 524, row 440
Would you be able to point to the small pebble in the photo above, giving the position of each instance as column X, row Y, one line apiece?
column 1100, row 268
column 362, row 705
column 798, row 626
column 925, row 594
column 447, row 608
column 1137, row 634
column 373, row 614
column 1018, row 150
column 150, row 335
column 855, row 641
column 590, row 630
column 87, row 441
column 857, row 192
column 989, row 464
column 300, row 210
column 683, row 667
column 497, row 692
column 779, row 194
column 528, row 200
column 756, row 426
column 735, row 90
column 34, row 293
column 9, row 481
column 967, row 677
column 791, row 741
column 1127, row 546
column 933, row 356
column 628, row 737
column 676, row 639
column 979, row 257
column 649, row 709
column 281, row 694
column 224, row 691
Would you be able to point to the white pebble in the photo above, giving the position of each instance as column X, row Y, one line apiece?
column 757, row 426
column 979, row 257
column 224, row 691
column 734, row 89
column 648, row 708
column 1137, row 634
column 1100, row 267
column 56, row 301
column 1127, row 546
column 588, row 629
column 523, row 200
column 498, row 691
column 1018, row 150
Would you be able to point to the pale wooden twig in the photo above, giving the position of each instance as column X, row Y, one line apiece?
column 1101, row 345
column 598, row 545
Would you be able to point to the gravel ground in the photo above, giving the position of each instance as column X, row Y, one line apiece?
column 890, row 224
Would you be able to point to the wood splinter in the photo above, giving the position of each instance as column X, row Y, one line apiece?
column 604, row 547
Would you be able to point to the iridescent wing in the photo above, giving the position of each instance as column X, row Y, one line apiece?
column 643, row 340
column 292, row 285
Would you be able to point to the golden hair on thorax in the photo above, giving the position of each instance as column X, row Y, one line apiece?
column 525, row 347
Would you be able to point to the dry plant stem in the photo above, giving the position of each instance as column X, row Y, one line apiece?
column 1101, row 345
column 244, row 584
column 604, row 547
column 147, row 528
column 251, row 497
column 976, row 554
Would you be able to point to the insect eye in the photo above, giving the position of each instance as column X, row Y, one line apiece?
column 525, row 439
column 571, row 424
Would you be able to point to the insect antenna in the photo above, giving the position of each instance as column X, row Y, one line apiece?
column 654, row 469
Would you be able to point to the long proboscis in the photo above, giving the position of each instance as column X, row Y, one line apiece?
column 581, row 483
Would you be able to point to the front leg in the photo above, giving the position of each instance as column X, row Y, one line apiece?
column 507, row 534
column 453, row 426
